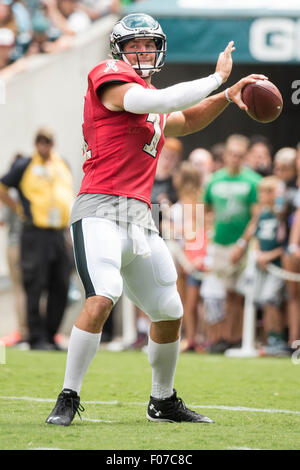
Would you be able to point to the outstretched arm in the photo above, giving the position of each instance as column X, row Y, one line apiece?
column 197, row 117
column 136, row 99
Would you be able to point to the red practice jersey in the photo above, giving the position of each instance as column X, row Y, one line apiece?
column 121, row 148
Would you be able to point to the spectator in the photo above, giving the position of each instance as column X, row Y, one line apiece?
column 217, row 151
column 259, row 155
column 66, row 16
column 189, row 228
column 7, row 45
column 269, row 290
column 44, row 184
column 292, row 264
column 286, row 170
column 24, row 27
column 14, row 225
column 202, row 160
column 169, row 160
column 7, row 17
column 231, row 196
column 291, row 259
column 163, row 191
column 43, row 39
column 95, row 9
column 15, row 16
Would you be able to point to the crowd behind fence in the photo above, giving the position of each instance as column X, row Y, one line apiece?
column 214, row 207
column 250, row 198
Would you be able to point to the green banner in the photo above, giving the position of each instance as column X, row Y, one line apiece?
column 264, row 31
column 259, row 40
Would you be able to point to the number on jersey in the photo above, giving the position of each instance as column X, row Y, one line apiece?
column 86, row 153
column 151, row 148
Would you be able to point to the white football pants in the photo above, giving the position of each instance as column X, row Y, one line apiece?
column 107, row 262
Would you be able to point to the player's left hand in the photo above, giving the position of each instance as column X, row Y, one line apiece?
column 235, row 92
column 224, row 64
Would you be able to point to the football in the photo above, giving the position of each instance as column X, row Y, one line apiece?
column 263, row 99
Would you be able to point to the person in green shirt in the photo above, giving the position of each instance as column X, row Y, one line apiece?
column 232, row 197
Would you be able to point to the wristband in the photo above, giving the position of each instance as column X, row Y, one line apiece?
column 292, row 248
column 218, row 78
column 227, row 96
column 241, row 243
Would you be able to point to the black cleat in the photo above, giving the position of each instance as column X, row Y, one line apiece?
column 173, row 410
column 67, row 405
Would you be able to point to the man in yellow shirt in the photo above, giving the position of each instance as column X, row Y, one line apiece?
column 44, row 184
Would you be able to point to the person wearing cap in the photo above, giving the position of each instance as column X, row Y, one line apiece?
column 44, row 184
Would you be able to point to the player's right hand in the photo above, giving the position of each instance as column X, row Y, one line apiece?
column 224, row 64
column 235, row 92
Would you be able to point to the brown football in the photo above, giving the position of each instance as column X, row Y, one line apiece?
column 263, row 99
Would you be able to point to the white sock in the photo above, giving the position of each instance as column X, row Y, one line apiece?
column 163, row 360
column 81, row 351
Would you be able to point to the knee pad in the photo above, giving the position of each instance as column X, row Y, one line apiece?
column 169, row 306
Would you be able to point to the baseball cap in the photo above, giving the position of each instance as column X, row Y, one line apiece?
column 7, row 37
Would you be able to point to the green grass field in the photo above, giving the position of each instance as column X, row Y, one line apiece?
column 121, row 381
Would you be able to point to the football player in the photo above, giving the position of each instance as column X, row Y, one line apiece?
column 116, row 243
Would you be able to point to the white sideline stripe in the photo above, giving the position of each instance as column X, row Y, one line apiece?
column 244, row 408
column 93, row 420
column 116, row 402
column 46, row 448
column 242, row 448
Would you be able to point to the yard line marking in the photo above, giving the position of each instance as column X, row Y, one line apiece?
column 92, row 420
column 46, row 448
column 29, row 399
column 244, row 408
column 242, row 448
column 116, row 402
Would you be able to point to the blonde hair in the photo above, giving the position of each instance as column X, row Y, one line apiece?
column 174, row 144
column 187, row 180
column 286, row 155
column 242, row 139
column 269, row 182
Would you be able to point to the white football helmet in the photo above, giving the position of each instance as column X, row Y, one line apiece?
column 139, row 25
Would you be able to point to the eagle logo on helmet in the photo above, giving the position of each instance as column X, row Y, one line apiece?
column 139, row 25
